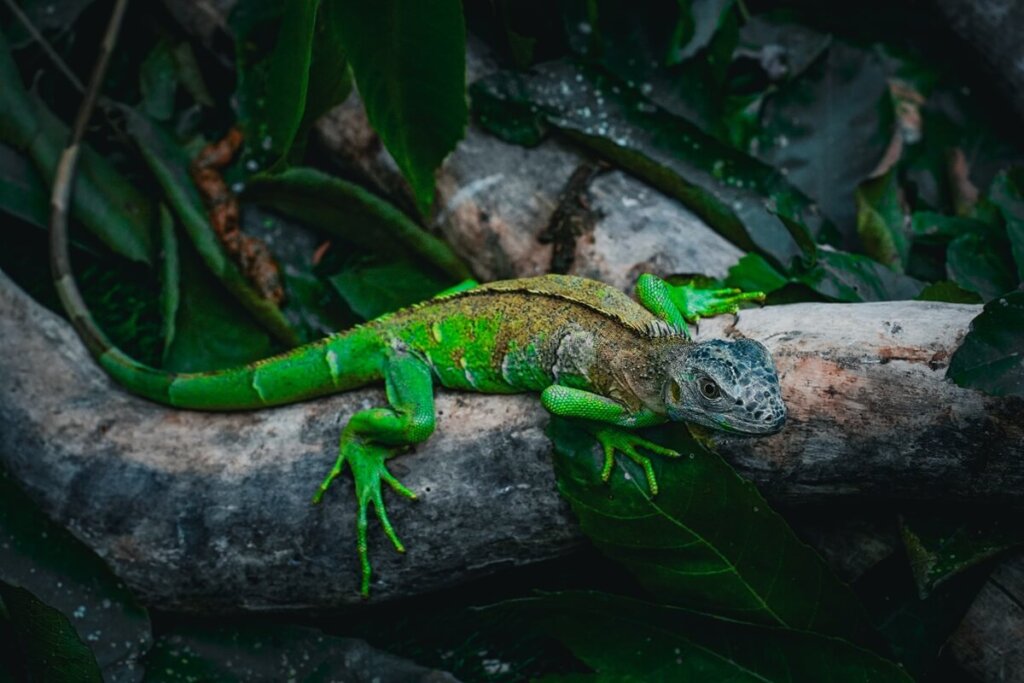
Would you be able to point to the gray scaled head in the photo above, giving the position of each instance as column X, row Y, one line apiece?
column 727, row 385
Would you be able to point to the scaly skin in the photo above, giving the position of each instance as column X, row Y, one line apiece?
column 591, row 352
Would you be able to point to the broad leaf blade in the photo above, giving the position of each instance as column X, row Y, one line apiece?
column 991, row 357
column 981, row 264
column 375, row 286
column 708, row 541
column 625, row 639
column 881, row 221
column 1007, row 193
column 409, row 62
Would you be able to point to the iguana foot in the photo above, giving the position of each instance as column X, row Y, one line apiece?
column 612, row 439
column 367, row 461
column 695, row 303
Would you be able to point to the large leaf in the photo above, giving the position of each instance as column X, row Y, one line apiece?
column 409, row 62
column 981, row 264
column 169, row 163
column 829, row 128
column 374, row 286
column 1007, row 193
column 624, row 639
column 341, row 208
column 882, row 221
column 45, row 640
column 851, row 277
column 158, row 82
column 747, row 201
column 21, row 189
column 708, row 541
column 103, row 199
column 43, row 558
column 991, row 357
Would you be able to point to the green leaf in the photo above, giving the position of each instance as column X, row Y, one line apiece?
column 273, row 83
column 753, row 273
column 346, row 210
column 44, row 559
column 842, row 276
column 746, row 201
column 828, row 129
column 21, row 189
column 409, row 62
column 622, row 639
column 698, row 21
column 329, row 79
column 190, row 74
column 169, row 163
column 103, row 200
column 170, row 279
column 783, row 47
column 1007, row 193
column 374, row 286
column 882, row 221
column 929, row 227
column 708, row 542
column 46, row 641
column 158, row 82
column 210, row 331
column 949, row 292
column 941, row 543
column 980, row 264
column 991, row 357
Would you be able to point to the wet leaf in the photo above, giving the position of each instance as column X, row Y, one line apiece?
column 409, row 62
column 375, row 286
column 829, row 128
column 169, row 163
column 981, row 264
column 708, row 541
column 746, row 201
column 338, row 207
column 882, row 221
column 1007, row 193
column 991, row 357
column 942, row 543
column 103, row 200
column 625, row 639
column 65, row 578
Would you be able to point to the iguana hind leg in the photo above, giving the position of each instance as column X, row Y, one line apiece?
column 372, row 436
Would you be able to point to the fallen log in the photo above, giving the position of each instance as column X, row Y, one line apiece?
column 211, row 512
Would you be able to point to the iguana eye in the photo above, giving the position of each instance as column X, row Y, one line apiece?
column 709, row 389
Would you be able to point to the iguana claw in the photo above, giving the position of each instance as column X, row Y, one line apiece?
column 612, row 439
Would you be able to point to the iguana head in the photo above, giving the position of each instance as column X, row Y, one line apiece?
column 726, row 385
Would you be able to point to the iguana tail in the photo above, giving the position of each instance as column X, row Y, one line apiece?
column 337, row 363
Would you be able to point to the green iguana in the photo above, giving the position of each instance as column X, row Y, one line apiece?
column 591, row 352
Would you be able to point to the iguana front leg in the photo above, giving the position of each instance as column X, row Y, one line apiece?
column 604, row 418
column 371, row 436
column 682, row 304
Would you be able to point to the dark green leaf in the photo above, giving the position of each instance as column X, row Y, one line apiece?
column 851, row 277
column 882, row 221
column 708, row 542
column 44, row 558
column 44, row 637
column 981, row 264
column 409, row 61
column 782, row 47
column 341, row 208
column 949, row 292
column 329, row 79
column 746, row 201
column 1007, row 193
column 753, row 274
column 170, row 278
column 992, row 356
column 190, row 75
column 698, row 21
column 158, row 81
column 210, row 330
column 372, row 286
column 829, row 128
column 169, row 163
column 46, row 16
column 623, row 639
column 103, row 199
column 272, row 84
column 936, row 228
column 21, row 189
column 944, row 542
